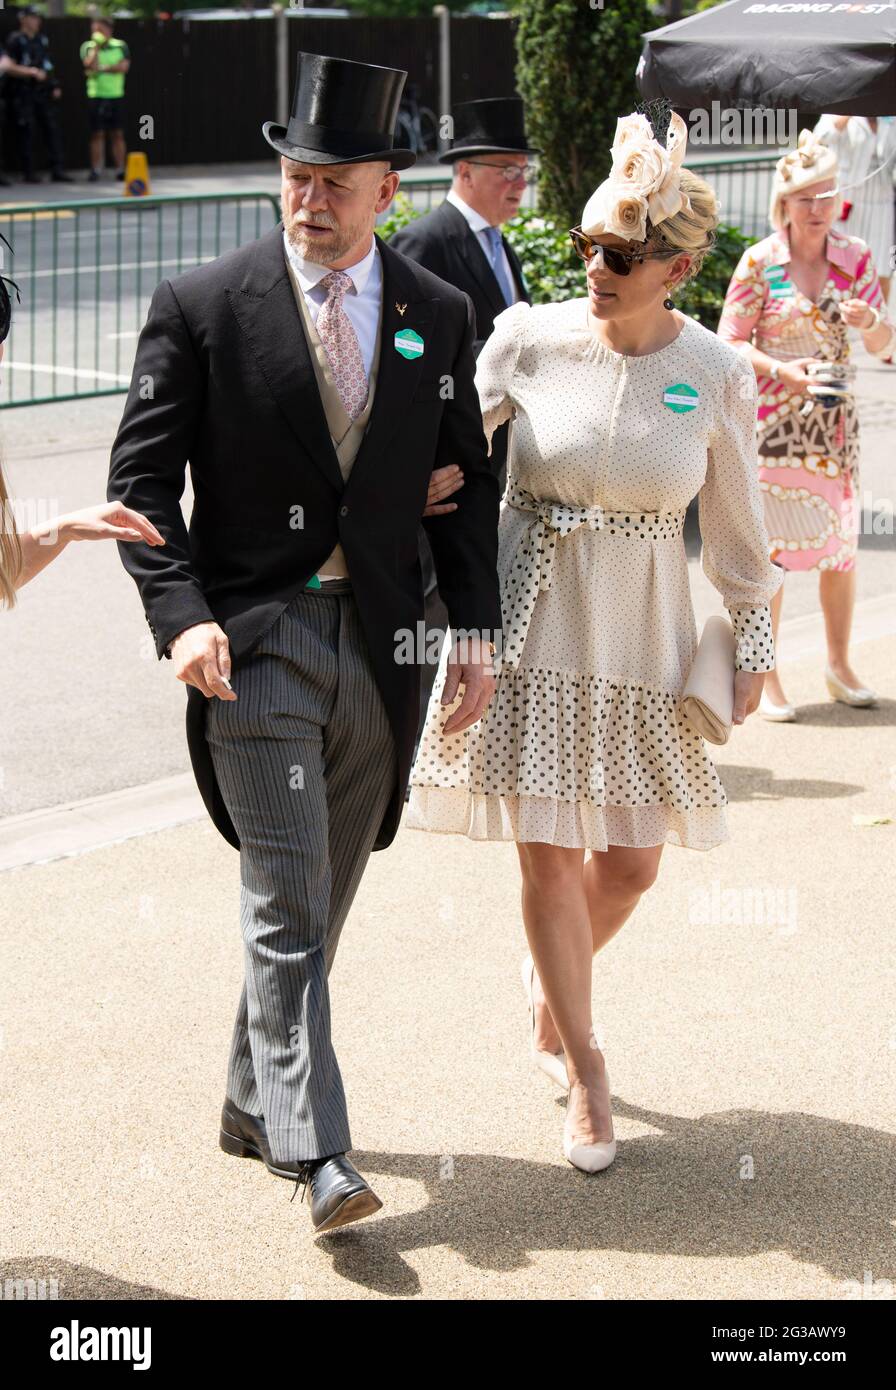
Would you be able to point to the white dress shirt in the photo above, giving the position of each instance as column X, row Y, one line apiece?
column 362, row 299
column 478, row 224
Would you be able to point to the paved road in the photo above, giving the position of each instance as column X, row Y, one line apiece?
column 747, row 1015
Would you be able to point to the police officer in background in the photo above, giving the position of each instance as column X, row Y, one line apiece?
column 461, row 241
column 32, row 91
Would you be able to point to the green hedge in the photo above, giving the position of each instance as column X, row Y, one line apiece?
column 553, row 271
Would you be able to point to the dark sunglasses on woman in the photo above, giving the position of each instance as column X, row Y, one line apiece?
column 616, row 261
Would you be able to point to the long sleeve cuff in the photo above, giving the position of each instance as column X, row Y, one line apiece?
column 754, row 643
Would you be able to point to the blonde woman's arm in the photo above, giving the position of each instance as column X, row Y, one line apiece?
column 107, row 521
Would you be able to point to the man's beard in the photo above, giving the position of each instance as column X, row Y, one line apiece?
column 320, row 250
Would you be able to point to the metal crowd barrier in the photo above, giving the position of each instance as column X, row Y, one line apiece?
column 87, row 269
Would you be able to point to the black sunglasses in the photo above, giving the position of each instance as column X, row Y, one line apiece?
column 616, row 261
column 5, row 305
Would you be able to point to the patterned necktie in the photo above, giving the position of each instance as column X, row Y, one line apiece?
column 494, row 239
column 341, row 345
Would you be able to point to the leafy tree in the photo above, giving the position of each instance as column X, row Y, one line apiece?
column 576, row 73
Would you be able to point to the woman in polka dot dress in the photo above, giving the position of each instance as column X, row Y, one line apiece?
column 623, row 409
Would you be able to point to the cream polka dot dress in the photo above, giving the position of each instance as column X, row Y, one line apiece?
column 583, row 744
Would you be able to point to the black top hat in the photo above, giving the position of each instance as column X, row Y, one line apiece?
column 342, row 113
column 495, row 125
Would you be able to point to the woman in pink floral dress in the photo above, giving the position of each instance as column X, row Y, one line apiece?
column 790, row 303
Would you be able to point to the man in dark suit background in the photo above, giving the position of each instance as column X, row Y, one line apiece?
column 300, row 377
column 461, row 241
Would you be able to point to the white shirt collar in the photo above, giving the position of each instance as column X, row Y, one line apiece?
column 309, row 273
column 477, row 222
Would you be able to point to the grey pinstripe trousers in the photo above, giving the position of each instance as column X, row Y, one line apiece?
column 306, row 762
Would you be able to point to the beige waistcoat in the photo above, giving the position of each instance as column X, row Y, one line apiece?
column 345, row 433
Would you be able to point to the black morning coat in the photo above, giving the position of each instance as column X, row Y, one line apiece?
column 444, row 242
column 223, row 381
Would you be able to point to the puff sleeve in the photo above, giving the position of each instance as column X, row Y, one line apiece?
column 744, row 302
column 732, row 522
column 496, row 366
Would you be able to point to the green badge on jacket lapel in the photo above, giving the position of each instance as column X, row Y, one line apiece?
column 409, row 343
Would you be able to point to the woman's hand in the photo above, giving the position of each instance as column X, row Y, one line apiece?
column 747, row 690
column 792, row 374
column 858, row 313
column 443, row 482
column 109, row 521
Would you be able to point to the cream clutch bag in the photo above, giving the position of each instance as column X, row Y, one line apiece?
column 707, row 701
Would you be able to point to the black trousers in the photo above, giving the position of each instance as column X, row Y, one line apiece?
column 29, row 111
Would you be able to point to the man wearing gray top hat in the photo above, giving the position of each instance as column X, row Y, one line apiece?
column 302, row 378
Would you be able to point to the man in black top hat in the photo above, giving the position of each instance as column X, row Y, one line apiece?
column 461, row 242
column 302, row 377
column 33, row 90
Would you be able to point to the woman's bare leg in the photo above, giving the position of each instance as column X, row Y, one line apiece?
column 773, row 687
column 837, row 594
column 560, row 929
column 614, row 880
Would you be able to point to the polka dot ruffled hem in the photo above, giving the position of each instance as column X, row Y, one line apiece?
column 571, row 759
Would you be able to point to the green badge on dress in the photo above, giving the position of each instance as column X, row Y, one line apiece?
column 313, row 582
column 779, row 285
column 409, row 343
column 680, row 398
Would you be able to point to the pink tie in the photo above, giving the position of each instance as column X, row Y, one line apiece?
column 341, row 344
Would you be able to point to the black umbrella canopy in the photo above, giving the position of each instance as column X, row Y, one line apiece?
column 815, row 56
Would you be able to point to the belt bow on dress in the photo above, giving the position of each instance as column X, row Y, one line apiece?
column 532, row 566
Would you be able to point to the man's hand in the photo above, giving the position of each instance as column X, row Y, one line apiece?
column 472, row 667
column 747, row 690
column 201, row 656
column 443, row 482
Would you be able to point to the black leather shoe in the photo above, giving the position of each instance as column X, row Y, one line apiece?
column 338, row 1192
column 246, row 1136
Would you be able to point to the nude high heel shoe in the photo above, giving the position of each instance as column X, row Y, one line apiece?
column 553, row 1064
column 779, row 714
column 591, row 1158
column 859, row 695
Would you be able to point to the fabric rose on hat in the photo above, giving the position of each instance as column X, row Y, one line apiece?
column 616, row 209
column 643, row 180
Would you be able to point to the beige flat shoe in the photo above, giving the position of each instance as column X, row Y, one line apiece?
column 858, row 695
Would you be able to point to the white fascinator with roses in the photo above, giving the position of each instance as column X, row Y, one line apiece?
column 642, row 188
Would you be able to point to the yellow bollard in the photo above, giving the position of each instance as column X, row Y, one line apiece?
column 136, row 176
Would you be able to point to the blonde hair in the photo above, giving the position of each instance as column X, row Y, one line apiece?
column 689, row 232
column 10, row 550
